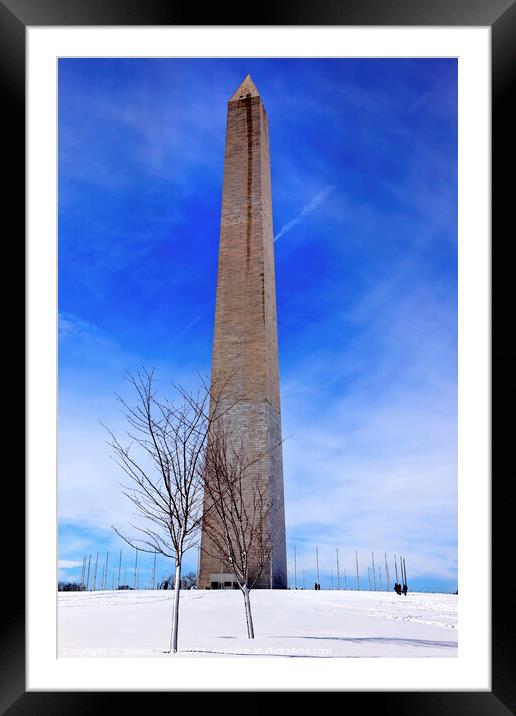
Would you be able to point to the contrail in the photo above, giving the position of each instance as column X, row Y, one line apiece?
column 321, row 196
column 188, row 326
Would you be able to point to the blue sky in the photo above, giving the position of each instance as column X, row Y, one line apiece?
column 364, row 179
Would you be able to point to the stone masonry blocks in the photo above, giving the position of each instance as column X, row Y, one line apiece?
column 245, row 342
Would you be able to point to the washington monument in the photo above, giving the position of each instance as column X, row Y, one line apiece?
column 245, row 341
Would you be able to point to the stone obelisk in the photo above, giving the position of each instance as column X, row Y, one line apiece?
column 245, row 339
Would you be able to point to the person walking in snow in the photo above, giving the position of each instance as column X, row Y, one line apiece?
column 405, row 589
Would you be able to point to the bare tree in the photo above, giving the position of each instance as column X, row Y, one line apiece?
column 190, row 580
column 164, row 467
column 237, row 518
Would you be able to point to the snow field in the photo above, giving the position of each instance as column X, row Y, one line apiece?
column 287, row 623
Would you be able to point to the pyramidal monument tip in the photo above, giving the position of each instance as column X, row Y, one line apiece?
column 245, row 89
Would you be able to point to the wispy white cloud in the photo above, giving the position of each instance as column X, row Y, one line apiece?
column 71, row 326
column 372, row 461
column 68, row 564
column 308, row 209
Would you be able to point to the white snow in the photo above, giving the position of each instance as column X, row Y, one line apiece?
column 287, row 623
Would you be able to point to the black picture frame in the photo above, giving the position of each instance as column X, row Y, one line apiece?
column 500, row 16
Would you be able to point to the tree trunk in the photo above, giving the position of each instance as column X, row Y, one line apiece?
column 175, row 609
column 248, row 615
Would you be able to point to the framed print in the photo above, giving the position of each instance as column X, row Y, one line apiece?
column 62, row 58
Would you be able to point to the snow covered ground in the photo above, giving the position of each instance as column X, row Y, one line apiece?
column 287, row 623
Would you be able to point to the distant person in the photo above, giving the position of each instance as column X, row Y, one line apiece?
column 397, row 588
column 405, row 589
